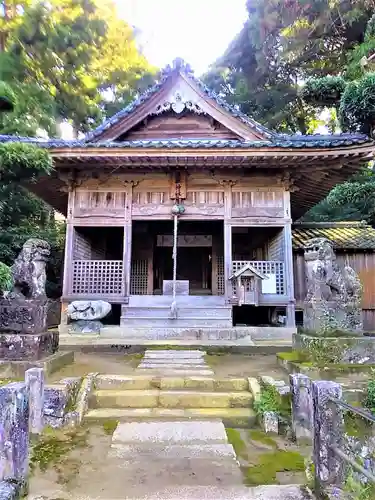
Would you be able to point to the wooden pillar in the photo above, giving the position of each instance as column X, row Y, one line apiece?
column 150, row 266
column 69, row 248
column 214, row 272
column 227, row 239
column 227, row 260
column 288, row 263
column 127, row 247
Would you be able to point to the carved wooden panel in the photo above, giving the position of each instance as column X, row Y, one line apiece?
column 97, row 277
column 151, row 203
column 202, row 202
column 139, row 277
column 100, row 203
column 260, row 202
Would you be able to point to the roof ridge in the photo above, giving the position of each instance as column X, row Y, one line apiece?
column 178, row 66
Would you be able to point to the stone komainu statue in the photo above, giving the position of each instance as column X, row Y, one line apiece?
column 334, row 293
column 29, row 270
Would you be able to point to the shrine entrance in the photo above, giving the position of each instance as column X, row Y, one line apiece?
column 194, row 264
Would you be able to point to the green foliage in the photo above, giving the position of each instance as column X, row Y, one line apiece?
column 269, row 400
column 7, row 97
column 357, row 106
column 5, row 277
column 369, row 401
column 23, row 161
column 359, row 490
column 351, row 201
column 326, row 91
column 283, row 44
column 76, row 53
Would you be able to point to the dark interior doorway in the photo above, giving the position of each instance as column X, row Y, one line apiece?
column 193, row 264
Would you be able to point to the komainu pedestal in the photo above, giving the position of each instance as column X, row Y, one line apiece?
column 333, row 299
column 23, row 312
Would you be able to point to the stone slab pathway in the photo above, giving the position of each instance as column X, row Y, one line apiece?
column 174, row 362
column 170, row 460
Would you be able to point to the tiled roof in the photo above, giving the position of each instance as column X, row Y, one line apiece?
column 343, row 235
column 178, row 66
column 287, row 142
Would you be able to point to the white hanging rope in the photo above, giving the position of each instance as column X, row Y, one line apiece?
column 174, row 257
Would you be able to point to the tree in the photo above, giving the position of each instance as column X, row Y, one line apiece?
column 22, row 215
column 284, row 42
column 78, row 52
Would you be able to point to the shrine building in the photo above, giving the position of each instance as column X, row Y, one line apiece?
column 180, row 173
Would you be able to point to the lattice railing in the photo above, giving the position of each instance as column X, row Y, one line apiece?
column 97, row 277
column 220, row 275
column 274, row 269
column 139, row 277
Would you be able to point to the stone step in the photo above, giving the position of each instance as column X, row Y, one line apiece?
column 163, row 311
column 174, row 353
column 180, row 372
column 214, row 492
column 174, row 366
column 122, row 382
column 232, row 417
column 173, row 361
column 184, row 492
column 179, row 322
column 153, row 398
column 175, row 333
column 197, row 432
column 197, row 451
column 181, row 300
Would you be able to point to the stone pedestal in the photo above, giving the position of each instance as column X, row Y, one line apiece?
column 23, row 315
column 23, row 330
column 29, row 347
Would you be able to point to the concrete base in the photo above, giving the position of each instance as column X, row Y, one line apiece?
column 234, row 336
column 50, row 364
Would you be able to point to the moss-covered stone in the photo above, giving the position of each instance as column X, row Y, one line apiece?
column 52, row 449
column 109, row 426
column 262, row 437
column 235, row 439
column 269, row 464
column 295, row 355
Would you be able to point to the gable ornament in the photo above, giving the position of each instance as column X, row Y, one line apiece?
column 178, row 103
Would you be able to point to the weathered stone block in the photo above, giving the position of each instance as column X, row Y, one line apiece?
column 34, row 378
column 271, row 422
column 32, row 347
column 55, row 400
column 8, row 491
column 302, row 407
column 328, row 430
column 23, row 315
column 14, row 434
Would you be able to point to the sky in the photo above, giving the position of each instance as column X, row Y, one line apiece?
column 199, row 31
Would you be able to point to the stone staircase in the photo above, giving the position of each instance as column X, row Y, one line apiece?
column 192, row 312
column 172, row 385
